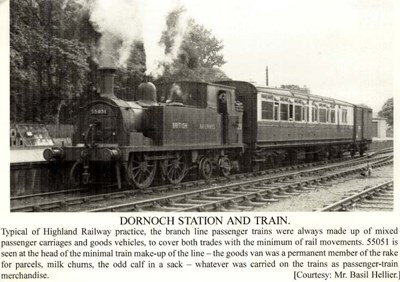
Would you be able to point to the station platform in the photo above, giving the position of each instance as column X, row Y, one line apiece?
column 27, row 155
column 381, row 143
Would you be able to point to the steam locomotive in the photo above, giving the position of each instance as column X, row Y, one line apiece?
column 205, row 128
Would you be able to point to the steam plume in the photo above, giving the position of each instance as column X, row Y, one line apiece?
column 122, row 22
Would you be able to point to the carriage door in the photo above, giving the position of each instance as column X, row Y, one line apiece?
column 367, row 119
column 223, row 110
column 358, row 119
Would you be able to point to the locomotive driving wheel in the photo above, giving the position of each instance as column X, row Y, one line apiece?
column 141, row 172
column 175, row 169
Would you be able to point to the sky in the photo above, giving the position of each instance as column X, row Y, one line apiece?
column 342, row 49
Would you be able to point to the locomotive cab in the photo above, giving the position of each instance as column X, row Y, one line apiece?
column 199, row 112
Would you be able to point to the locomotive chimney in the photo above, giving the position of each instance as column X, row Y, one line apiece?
column 107, row 82
column 147, row 91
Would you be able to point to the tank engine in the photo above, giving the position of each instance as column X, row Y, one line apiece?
column 181, row 127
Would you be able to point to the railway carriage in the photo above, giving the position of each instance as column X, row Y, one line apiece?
column 286, row 126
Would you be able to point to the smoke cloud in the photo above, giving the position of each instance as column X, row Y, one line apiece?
column 122, row 22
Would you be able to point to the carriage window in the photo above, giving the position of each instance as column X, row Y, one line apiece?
column 344, row 116
column 314, row 114
column 333, row 118
column 305, row 114
column 276, row 111
column 267, row 109
column 291, row 112
column 284, row 111
column 322, row 115
column 297, row 112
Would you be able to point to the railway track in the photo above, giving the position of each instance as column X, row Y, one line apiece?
column 376, row 198
column 159, row 188
column 32, row 202
column 239, row 197
column 268, row 177
column 112, row 188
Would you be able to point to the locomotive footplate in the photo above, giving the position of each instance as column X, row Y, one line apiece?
column 86, row 156
column 100, row 154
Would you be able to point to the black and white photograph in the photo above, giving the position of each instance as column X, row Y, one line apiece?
column 201, row 140
column 183, row 106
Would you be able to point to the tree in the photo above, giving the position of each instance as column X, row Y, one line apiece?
column 200, row 56
column 47, row 62
column 387, row 111
column 128, row 78
column 205, row 46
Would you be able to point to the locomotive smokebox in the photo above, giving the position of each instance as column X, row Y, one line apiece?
column 147, row 91
column 107, row 82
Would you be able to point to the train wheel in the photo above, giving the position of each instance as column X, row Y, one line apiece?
column 141, row 172
column 175, row 169
column 206, row 168
column 225, row 166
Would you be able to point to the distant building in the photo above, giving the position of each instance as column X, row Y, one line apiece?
column 29, row 135
column 379, row 127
